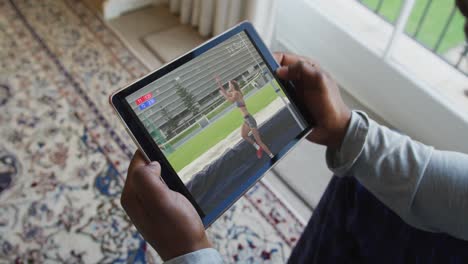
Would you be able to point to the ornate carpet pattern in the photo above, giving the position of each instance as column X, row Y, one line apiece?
column 64, row 154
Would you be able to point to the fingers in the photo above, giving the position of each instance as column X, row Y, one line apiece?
column 297, row 71
column 144, row 195
column 144, row 181
column 285, row 59
column 132, row 207
column 127, row 193
column 150, row 189
column 128, row 199
column 294, row 67
column 278, row 57
column 137, row 161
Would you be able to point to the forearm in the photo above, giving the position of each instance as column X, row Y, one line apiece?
column 442, row 198
column 223, row 92
column 388, row 164
column 220, row 87
column 395, row 168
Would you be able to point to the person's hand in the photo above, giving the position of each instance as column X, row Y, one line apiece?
column 166, row 219
column 320, row 95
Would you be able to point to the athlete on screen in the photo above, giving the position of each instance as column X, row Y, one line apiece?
column 234, row 94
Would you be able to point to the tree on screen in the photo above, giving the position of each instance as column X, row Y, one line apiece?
column 187, row 98
column 170, row 121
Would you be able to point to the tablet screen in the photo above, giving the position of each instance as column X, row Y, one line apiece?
column 221, row 119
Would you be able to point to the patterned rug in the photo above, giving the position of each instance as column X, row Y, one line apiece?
column 64, row 154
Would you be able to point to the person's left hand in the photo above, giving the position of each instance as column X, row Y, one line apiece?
column 166, row 219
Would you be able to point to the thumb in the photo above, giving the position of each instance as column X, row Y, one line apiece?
column 148, row 185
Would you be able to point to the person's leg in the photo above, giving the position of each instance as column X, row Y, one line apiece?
column 350, row 225
column 245, row 129
column 259, row 141
column 326, row 238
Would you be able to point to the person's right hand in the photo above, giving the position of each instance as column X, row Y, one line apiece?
column 320, row 95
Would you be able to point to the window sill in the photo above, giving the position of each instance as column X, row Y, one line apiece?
column 398, row 90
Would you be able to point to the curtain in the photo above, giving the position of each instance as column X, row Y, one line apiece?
column 212, row 17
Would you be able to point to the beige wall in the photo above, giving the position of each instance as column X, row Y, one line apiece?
column 114, row 8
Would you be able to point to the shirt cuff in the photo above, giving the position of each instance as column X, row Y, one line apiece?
column 205, row 256
column 342, row 160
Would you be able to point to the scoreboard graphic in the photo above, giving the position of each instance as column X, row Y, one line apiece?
column 145, row 101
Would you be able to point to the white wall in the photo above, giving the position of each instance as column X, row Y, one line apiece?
column 404, row 102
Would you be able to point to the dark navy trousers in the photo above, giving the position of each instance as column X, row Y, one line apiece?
column 350, row 225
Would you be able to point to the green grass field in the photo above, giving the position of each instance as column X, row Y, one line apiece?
column 220, row 129
column 218, row 110
column 185, row 133
column 433, row 25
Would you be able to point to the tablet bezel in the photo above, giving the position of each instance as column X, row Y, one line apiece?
column 147, row 145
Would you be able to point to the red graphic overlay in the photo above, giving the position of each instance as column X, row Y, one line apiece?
column 143, row 99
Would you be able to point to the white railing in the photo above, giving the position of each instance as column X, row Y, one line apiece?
column 314, row 28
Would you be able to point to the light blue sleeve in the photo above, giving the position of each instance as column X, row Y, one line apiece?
column 202, row 256
column 427, row 188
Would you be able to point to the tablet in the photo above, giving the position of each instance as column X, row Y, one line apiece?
column 215, row 118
